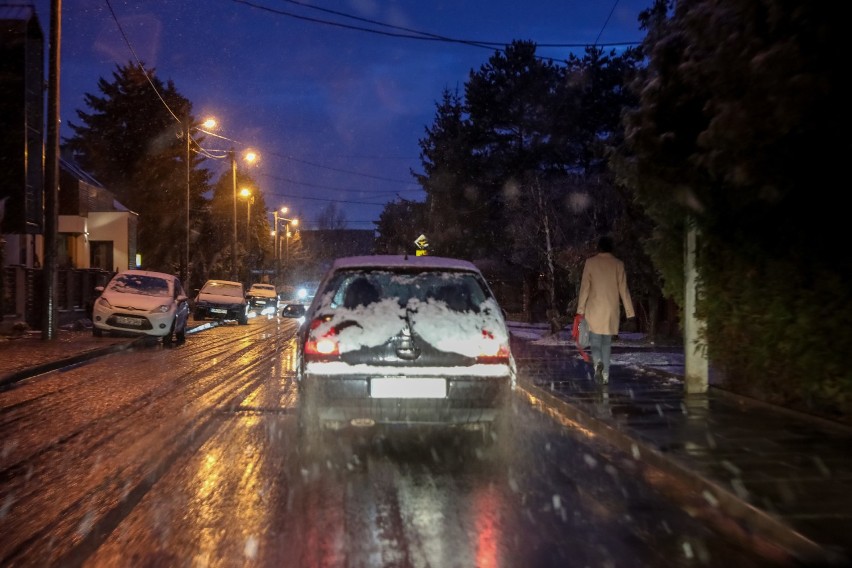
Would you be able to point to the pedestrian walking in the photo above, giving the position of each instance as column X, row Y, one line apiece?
column 604, row 283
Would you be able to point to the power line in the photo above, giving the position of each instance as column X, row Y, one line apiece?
column 345, row 190
column 410, row 33
column 288, row 157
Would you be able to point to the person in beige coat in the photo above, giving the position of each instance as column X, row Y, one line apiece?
column 604, row 283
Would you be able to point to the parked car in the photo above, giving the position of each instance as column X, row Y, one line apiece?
column 262, row 298
column 221, row 300
column 404, row 341
column 142, row 302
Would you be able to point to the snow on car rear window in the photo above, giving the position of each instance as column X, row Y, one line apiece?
column 448, row 310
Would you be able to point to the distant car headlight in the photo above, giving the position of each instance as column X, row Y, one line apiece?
column 302, row 293
column 102, row 301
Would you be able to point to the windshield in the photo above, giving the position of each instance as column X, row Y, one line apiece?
column 223, row 289
column 661, row 172
column 139, row 284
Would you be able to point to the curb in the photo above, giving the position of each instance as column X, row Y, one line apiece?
column 12, row 378
column 7, row 380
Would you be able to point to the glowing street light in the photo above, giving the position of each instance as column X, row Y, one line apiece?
column 278, row 215
column 246, row 194
column 249, row 157
column 187, row 134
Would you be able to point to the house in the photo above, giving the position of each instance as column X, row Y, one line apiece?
column 96, row 235
column 22, row 119
column 95, row 230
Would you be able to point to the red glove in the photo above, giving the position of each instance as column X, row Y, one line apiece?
column 575, row 331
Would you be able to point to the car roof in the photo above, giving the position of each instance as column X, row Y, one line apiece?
column 403, row 261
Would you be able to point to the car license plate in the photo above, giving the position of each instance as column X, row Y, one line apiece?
column 218, row 311
column 128, row 321
column 408, row 388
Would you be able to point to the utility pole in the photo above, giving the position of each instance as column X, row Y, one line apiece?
column 186, row 128
column 51, row 179
column 234, row 242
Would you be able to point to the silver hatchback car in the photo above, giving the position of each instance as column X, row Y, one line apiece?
column 404, row 341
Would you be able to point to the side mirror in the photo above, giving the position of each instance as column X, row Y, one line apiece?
column 99, row 288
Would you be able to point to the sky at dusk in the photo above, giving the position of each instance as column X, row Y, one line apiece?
column 334, row 95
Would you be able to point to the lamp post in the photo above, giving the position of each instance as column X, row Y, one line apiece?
column 276, row 241
column 246, row 193
column 287, row 238
column 187, row 134
column 234, row 241
column 278, row 215
column 249, row 157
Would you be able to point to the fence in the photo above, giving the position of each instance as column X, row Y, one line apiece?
column 23, row 295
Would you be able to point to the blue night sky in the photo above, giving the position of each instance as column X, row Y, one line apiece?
column 335, row 111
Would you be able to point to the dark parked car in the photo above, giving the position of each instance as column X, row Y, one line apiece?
column 221, row 299
column 262, row 298
column 404, row 341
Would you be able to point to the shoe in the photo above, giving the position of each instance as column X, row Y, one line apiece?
column 599, row 371
column 605, row 377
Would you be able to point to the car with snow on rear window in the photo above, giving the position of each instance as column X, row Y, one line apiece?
column 404, row 341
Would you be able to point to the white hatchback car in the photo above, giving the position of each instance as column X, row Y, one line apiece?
column 404, row 341
column 141, row 302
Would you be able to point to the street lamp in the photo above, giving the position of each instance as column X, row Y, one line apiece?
column 278, row 215
column 187, row 134
column 249, row 157
column 246, row 193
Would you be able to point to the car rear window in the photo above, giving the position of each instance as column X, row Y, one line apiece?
column 460, row 291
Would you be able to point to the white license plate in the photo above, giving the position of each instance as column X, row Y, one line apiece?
column 408, row 388
column 128, row 321
column 218, row 311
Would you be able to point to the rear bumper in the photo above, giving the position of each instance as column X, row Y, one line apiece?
column 341, row 401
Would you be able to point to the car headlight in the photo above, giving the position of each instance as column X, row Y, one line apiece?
column 164, row 309
column 102, row 301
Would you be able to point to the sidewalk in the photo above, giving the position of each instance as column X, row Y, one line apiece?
column 785, row 477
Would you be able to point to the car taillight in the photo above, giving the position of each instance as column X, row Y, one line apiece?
column 492, row 350
column 324, row 346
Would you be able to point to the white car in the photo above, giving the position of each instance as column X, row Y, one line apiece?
column 262, row 298
column 141, row 302
column 404, row 341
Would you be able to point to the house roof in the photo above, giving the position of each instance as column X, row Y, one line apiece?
column 78, row 172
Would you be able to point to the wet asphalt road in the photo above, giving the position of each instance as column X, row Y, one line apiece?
column 189, row 456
